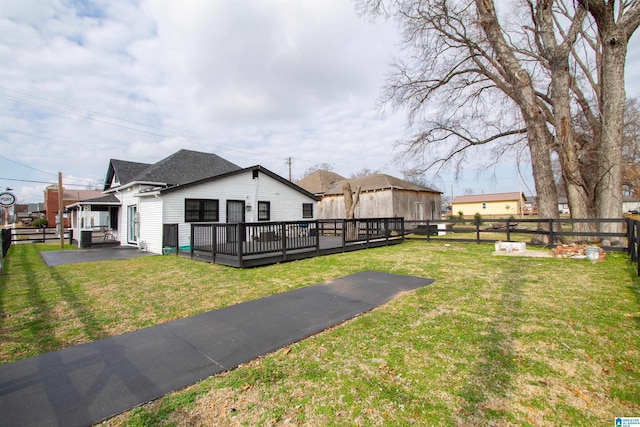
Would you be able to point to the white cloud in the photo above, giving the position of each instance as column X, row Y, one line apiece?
column 253, row 81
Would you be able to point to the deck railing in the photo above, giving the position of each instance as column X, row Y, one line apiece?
column 242, row 241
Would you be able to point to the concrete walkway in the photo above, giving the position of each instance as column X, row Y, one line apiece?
column 83, row 385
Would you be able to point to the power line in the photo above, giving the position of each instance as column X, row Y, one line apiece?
column 68, row 108
column 47, row 182
column 45, row 172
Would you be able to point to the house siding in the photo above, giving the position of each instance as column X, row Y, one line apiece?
column 492, row 208
column 150, row 211
column 286, row 202
column 383, row 204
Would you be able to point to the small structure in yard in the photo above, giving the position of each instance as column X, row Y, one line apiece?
column 380, row 196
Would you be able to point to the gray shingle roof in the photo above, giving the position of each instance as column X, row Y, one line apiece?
column 186, row 166
column 179, row 168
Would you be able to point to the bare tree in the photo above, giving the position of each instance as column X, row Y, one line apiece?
column 317, row 167
column 365, row 171
column 631, row 150
column 497, row 83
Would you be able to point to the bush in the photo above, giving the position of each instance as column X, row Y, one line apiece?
column 40, row 223
column 478, row 217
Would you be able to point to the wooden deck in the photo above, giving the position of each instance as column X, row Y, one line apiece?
column 255, row 244
column 327, row 245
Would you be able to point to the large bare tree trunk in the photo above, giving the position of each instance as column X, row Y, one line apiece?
column 557, row 57
column 614, row 38
column 523, row 93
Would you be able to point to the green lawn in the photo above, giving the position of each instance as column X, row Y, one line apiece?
column 493, row 341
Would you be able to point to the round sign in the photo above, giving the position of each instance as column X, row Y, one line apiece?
column 7, row 199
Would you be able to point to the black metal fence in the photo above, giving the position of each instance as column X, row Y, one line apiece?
column 633, row 248
column 556, row 230
column 5, row 236
column 38, row 234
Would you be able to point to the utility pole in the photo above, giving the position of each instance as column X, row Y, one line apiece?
column 288, row 161
column 60, row 210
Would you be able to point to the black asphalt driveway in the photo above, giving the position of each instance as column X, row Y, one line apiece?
column 83, row 385
column 53, row 258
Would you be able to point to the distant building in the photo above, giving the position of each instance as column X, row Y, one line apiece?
column 489, row 204
column 381, row 196
column 69, row 197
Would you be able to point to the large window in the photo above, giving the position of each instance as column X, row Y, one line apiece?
column 264, row 211
column 200, row 210
column 307, row 210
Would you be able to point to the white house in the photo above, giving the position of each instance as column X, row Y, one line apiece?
column 190, row 187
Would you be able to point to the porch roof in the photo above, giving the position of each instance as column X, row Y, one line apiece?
column 106, row 200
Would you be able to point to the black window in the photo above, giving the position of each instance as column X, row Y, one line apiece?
column 307, row 210
column 264, row 211
column 200, row 210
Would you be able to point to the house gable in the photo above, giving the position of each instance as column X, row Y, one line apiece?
column 182, row 167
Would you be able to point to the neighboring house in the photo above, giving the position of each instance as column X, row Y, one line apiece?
column 69, row 197
column 630, row 204
column 489, row 204
column 190, row 187
column 563, row 206
column 381, row 196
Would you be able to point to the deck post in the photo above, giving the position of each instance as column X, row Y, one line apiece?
column 239, row 241
column 283, row 233
column 317, row 236
column 387, row 231
column 192, row 241
column 214, row 242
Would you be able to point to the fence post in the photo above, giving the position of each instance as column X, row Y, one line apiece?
column 428, row 232
column 477, row 221
column 317, row 236
column 508, row 230
column 551, row 236
column 630, row 236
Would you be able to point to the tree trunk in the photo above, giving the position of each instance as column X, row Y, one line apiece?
column 614, row 38
column 524, row 95
column 609, row 194
column 350, row 203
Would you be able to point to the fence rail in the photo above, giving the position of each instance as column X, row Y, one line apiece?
column 555, row 230
column 38, row 234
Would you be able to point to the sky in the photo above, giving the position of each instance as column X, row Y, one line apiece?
column 287, row 84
